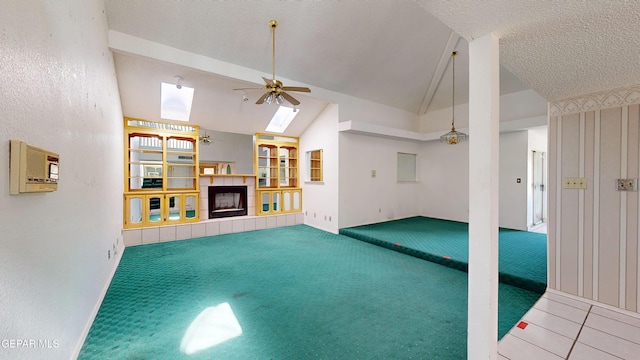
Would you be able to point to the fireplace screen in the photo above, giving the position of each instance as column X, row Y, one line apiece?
column 225, row 201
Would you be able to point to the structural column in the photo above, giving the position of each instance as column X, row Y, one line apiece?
column 484, row 112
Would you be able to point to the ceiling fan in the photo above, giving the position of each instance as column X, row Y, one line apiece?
column 205, row 139
column 276, row 92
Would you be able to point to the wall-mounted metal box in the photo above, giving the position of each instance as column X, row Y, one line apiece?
column 32, row 169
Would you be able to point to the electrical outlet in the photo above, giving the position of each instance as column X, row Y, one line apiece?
column 627, row 184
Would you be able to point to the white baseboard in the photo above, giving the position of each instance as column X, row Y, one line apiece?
column 96, row 308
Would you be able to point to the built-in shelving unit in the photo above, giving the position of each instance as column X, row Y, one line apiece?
column 277, row 174
column 314, row 165
column 161, row 173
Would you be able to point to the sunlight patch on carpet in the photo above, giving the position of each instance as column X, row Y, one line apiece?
column 214, row 325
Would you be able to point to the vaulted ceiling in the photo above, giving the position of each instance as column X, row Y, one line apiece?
column 395, row 53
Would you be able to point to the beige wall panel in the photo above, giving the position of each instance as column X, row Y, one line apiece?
column 589, row 133
column 631, row 280
column 552, row 201
column 570, row 158
column 609, row 250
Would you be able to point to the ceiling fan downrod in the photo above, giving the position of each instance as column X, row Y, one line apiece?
column 273, row 24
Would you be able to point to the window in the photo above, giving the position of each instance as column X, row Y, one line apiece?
column 175, row 102
column 314, row 165
column 406, row 167
column 281, row 119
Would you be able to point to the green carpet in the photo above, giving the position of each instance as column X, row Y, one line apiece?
column 297, row 292
column 522, row 259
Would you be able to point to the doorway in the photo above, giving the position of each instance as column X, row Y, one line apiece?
column 538, row 187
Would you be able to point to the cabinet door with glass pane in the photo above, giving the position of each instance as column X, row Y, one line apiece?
column 292, row 200
column 288, row 166
column 181, row 163
column 267, row 166
column 181, row 207
column 270, row 202
column 145, row 158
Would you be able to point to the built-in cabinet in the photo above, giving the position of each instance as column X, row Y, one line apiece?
column 278, row 182
column 160, row 208
column 279, row 201
column 161, row 173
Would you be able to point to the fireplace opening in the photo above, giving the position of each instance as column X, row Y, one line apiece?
column 227, row 201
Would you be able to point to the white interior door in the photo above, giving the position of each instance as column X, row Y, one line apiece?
column 538, row 187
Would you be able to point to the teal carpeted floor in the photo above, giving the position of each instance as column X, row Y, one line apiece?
column 522, row 255
column 297, row 292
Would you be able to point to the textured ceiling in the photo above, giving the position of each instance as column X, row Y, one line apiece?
column 395, row 52
column 560, row 49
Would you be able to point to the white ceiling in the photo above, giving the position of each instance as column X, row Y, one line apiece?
column 390, row 52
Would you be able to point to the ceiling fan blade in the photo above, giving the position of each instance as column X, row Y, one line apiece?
column 269, row 82
column 261, row 100
column 296, row 88
column 290, row 98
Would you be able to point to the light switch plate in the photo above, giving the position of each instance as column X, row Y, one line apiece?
column 574, row 183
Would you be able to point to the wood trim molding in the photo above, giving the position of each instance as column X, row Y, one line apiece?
column 601, row 100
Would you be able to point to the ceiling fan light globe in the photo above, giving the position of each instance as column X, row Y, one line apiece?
column 279, row 99
column 269, row 99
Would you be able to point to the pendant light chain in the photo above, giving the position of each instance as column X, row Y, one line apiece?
column 453, row 94
column 453, row 137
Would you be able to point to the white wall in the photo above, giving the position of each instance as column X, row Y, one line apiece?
column 444, row 173
column 513, row 166
column 59, row 92
column 229, row 147
column 515, row 106
column 320, row 200
column 445, row 180
column 355, row 109
column 365, row 199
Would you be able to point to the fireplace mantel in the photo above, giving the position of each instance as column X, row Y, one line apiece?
column 212, row 177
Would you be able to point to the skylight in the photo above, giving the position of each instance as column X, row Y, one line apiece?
column 282, row 119
column 175, row 102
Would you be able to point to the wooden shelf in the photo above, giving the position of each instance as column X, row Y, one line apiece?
column 243, row 176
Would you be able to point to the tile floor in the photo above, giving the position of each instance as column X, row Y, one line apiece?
column 560, row 327
column 540, row 228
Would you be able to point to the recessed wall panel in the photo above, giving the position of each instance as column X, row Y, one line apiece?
column 588, row 204
column 570, row 158
column 553, row 203
column 609, row 210
column 633, row 171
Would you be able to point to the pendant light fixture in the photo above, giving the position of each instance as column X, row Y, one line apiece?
column 453, row 137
